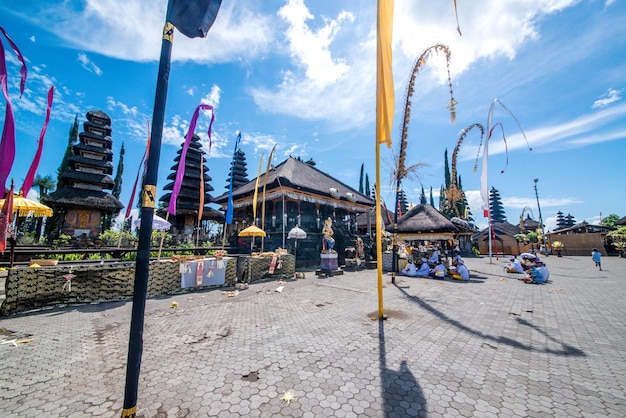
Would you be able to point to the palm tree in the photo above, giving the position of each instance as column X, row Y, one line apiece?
column 45, row 183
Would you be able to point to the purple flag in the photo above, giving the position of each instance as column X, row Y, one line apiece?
column 7, row 143
column 180, row 172
column 28, row 181
column 193, row 18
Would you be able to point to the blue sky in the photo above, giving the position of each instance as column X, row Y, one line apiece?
column 301, row 74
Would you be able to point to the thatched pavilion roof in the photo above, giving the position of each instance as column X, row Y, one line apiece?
column 301, row 181
column 424, row 222
column 83, row 198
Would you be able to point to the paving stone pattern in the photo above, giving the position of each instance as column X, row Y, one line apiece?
column 491, row 347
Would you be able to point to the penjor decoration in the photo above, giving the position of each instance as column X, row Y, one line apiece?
column 454, row 194
column 401, row 170
column 484, row 178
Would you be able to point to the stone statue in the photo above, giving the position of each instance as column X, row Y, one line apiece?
column 328, row 241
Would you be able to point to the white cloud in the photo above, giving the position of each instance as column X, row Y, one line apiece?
column 310, row 48
column 127, row 110
column 611, row 96
column 213, row 97
column 240, row 31
column 580, row 131
column 88, row 64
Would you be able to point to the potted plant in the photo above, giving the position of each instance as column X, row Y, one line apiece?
column 558, row 247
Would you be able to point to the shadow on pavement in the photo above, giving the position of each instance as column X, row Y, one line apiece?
column 402, row 394
column 567, row 350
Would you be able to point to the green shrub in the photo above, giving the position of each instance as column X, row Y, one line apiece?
column 129, row 257
column 74, row 257
column 27, row 239
column 111, row 238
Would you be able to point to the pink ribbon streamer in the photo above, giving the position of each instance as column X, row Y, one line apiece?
column 7, row 143
column 132, row 195
column 180, row 172
column 28, row 181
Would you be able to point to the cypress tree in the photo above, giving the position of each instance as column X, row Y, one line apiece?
column 432, row 201
column 448, row 177
column 117, row 183
column 69, row 151
column 361, row 178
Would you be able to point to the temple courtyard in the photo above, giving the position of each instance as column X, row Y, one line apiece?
column 314, row 347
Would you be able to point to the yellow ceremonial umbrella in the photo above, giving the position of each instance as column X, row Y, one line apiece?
column 25, row 207
column 252, row 231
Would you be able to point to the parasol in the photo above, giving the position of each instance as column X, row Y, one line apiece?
column 296, row 233
column 252, row 231
column 158, row 223
column 25, row 207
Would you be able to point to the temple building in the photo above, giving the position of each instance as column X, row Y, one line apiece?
column 185, row 224
column 83, row 203
column 296, row 194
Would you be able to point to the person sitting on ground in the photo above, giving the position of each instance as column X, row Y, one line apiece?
column 424, row 270
column 543, row 269
column 537, row 275
column 439, row 272
column 515, row 266
column 457, row 260
column 410, row 269
column 462, row 271
column 434, row 259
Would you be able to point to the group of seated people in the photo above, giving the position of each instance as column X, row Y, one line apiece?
column 434, row 267
column 531, row 266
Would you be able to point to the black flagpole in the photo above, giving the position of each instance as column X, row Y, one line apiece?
column 148, row 197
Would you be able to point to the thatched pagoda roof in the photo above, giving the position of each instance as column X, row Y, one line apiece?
column 301, row 181
column 424, row 222
column 83, row 198
column 501, row 228
column 106, row 166
column 107, row 153
column 103, row 180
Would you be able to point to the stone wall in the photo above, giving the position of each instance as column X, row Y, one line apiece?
column 34, row 288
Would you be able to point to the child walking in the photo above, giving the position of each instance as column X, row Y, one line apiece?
column 595, row 256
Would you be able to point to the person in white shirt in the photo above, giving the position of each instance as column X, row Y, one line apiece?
column 439, row 272
column 463, row 271
column 424, row 270
column 515, row 266
column 434, row 259
column 410, row 269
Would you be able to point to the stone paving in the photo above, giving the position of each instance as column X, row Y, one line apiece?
column 491, row 347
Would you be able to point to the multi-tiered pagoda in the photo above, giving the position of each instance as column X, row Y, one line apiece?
column 238, row 171
column 85, row 206
column 185, row 222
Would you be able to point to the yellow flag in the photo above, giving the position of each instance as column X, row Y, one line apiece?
column 385, row 95
column 256, row 189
